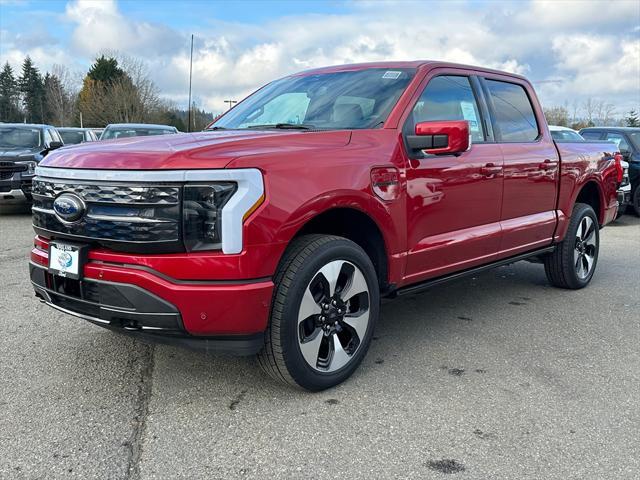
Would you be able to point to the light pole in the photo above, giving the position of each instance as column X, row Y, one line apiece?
column 231, row 103
column 190, row 72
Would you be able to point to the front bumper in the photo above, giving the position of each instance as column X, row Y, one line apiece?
column 624, row 195
column 15, row 190
column 13, row 197
column 222, row 316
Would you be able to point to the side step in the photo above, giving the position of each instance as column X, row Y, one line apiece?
column 432, row 282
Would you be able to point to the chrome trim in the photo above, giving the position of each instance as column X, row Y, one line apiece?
column 18, row 197
column 123, row 218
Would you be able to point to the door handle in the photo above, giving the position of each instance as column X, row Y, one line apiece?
column 490, row 169
column 547, row 165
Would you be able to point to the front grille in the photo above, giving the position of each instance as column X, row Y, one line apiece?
column 4, row 175
column 121, row 216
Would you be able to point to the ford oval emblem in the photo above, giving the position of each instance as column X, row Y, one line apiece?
column 69, row 207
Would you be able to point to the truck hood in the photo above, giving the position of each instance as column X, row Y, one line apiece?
column 20, row 154
column 190, row 150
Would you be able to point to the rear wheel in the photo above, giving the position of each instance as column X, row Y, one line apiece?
column 324, row 310
column 574, row 260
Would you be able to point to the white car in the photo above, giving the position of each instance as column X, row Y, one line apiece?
column 565, row 134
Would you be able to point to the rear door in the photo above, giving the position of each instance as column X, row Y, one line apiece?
column 453, row 201
column 531, row 168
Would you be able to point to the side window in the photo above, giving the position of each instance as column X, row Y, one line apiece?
column 513, row 112
column 449, row 98
column 47, row 136
column 620, row 141
column 591, row 135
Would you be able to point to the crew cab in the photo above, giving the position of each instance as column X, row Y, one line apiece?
column 22, row 146
column 278, row 231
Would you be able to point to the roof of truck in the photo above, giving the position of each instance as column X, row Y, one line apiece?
column 621, row 129
column 403, row 64
column 138, row 125
column 27, row 125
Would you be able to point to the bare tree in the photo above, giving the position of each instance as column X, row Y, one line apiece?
column 589, row 107
column 557, row 116
column 608, row 112
column 61, row 96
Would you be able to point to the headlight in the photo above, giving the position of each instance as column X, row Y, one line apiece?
column 202, row 214
column 31, row 168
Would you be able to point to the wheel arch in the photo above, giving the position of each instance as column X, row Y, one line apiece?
column 357, row 226
column 591, row 193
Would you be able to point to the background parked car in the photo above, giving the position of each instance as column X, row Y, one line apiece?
column 565, row 134
column 97, row 132
column 72, row 136
column 123, row 130
column 22, row 146
column 628, row 141
column 561, row 134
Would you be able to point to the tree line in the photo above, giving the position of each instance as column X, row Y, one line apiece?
column 591, row 113
column 115, row 89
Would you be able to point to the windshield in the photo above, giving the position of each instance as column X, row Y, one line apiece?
column 566, row 135
column 339, row 100
column 71, row 137
column 125, row 132
column 20, row 137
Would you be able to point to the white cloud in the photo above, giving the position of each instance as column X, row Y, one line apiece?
column 590, row 47
column 101, row 26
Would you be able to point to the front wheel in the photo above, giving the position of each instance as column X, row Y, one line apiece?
column 324, row 310
column 635, row 201
column 572, row 263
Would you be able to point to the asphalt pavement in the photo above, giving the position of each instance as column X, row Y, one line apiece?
column 499, row 376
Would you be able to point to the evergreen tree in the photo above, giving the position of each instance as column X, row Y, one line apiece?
column 105, row 70
column 632, row 120
column 32, row 89
column 9, row 109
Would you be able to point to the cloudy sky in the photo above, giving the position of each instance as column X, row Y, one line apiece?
column 571, row 50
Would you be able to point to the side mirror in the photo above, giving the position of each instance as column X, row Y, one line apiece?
column 54, row 145
column 442, row 137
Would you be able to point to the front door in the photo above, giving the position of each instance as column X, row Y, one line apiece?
column 453, row 201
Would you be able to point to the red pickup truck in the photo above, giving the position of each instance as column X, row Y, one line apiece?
column 277, row 231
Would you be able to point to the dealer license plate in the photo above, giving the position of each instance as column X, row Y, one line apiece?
column 66, row 259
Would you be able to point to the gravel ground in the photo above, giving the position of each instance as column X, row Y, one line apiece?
column 499, row 376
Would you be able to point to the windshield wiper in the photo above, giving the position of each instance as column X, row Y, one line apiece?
column 215, row 128
column 283, row 126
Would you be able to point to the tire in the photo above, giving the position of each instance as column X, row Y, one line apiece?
column 326, row 291
column 635, row 201
column 572, row 263
column 621, row 211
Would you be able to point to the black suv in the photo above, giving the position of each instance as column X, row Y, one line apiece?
column 22, row 146
column 628, row 141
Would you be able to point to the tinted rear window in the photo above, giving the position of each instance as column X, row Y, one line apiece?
column 591, row 135
column 70, row 137
column 513, row 111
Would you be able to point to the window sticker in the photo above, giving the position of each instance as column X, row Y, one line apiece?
column 469, row 114
column 392, row 74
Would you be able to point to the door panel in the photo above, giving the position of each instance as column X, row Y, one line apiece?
column 453, row 212
column 529, row 199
